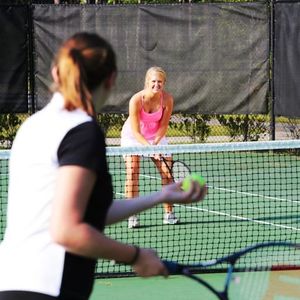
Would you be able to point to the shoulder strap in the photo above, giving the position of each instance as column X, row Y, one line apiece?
column 142, row 101
column 162, row 102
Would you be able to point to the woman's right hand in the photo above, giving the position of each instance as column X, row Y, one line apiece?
column 149, row 264
column 173, row 193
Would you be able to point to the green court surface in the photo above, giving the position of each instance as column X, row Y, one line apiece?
column 279, row 286
column 253, row 197
column 156, row 288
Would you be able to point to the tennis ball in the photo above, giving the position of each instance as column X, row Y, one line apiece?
column 186, row 184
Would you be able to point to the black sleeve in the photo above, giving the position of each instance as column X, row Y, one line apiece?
column 83, row 145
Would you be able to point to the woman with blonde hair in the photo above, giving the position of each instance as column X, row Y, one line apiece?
column 60, row 192
column 149, row 114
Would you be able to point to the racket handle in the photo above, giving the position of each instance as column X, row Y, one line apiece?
column 172, row 267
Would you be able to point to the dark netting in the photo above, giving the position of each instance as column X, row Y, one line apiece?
column 287, row 62
column 216, row 55
column 253, row 197
column 13, row 59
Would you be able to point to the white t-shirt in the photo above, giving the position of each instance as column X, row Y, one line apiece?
column 29, row 259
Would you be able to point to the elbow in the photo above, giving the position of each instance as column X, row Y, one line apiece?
column 70, row 237
column 61, row 236
column 58, row 236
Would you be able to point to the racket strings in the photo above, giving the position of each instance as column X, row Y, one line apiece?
column 179, row 171
column 262, row 276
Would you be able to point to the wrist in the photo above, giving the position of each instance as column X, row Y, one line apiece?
column 135, row 256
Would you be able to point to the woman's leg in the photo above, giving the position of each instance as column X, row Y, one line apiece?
column 132, row 163
column 166, row 178
column 132, row 176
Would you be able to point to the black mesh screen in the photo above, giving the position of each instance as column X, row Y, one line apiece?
column 215, row 55
column 287, row 59
column 13, row 59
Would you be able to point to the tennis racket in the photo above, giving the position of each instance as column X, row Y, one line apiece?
column 263, row 271
column 178, row 169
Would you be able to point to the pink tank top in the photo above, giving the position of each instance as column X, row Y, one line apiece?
column 150, row 122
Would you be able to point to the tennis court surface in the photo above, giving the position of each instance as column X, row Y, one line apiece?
column 281, row 286
column 253, row 197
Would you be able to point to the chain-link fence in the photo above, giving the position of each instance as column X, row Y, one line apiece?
column 197, row 128
column 183, row 128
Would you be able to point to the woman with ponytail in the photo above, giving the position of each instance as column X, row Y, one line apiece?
column 60, row 192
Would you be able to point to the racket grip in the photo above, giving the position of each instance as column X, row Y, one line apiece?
column 172, row 267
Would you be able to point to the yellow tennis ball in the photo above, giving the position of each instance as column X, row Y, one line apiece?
column 187, row 181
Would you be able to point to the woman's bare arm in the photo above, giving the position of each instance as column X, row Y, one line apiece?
column 171, row 194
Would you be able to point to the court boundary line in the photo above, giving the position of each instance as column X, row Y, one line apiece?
column 242, row 218
column 238, row 217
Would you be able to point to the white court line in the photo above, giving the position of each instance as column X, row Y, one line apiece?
column 239, row 192
column 234, row 216
column 120, row 194
column 236, row 192
column 255, row 195
column 239, row 217
column 152, row 177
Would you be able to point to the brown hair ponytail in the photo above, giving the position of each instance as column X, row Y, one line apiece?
column 83, row 63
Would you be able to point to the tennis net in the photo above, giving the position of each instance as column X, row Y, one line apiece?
column 253, row 197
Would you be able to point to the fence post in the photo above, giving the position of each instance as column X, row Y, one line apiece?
column 31, row 77
column 271, row 88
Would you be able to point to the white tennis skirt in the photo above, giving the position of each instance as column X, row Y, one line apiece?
column 132, row 142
